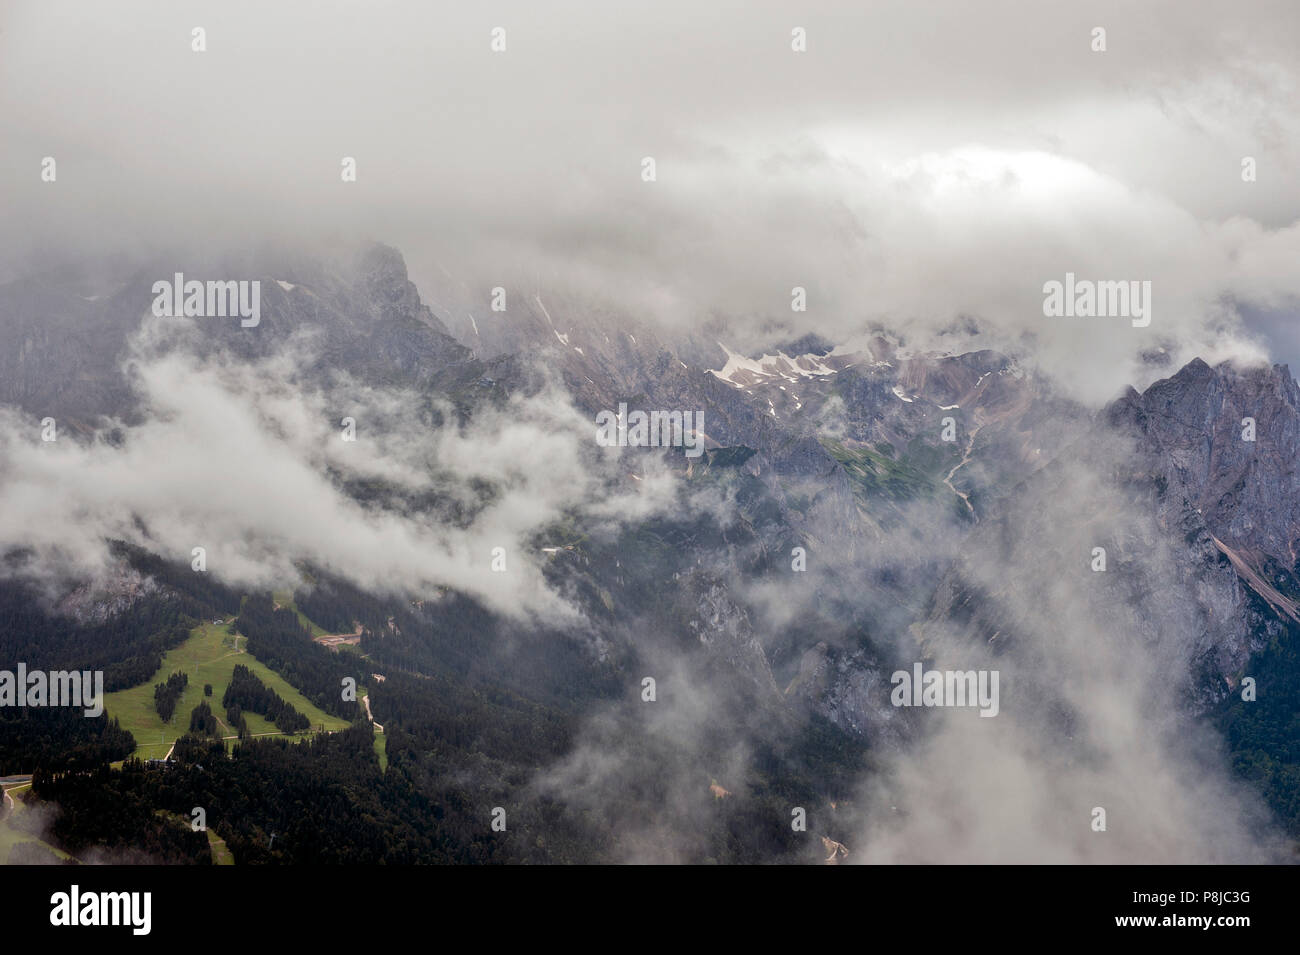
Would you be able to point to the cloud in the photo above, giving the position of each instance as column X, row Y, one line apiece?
column 1100, row 704
column 920, row 167
column 1097, row 697
column 863, row 169
column 247, row 461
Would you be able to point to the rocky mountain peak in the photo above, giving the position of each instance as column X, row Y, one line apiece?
column 1226, row 439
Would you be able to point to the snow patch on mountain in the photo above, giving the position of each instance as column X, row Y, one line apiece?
column 740, row 370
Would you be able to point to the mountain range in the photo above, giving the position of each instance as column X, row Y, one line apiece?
column 858, row 508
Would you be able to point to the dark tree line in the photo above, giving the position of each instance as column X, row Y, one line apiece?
column 203, row 721
column 278, row 639
column 204, row 596
column 235, row 717
column 458, row 638
column 128, row 647
column 468, row 727
column 247, row 692
column 61, row 737
column 337, row 605
column 1264, row 734
column 111, row 814
column 455, row 751
column 165, row 695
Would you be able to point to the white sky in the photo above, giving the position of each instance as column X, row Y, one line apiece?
column 920, row 161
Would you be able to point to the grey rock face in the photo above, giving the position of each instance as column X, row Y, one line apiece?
column 1236, row 501
column 62, row 353
column 723, row 627
column 115, row 593
column 851, row 689
column 1191, row 427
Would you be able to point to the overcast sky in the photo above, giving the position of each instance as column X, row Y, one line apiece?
column 918, row 163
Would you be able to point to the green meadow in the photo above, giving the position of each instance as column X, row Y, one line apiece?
column 221, row 855
column 208, row 656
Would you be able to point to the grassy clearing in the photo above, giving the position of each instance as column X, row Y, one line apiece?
column 381, row 742
column 208, row 656
column 875, row 473
column 221, row 854
column 285, row 599
column 11, row 835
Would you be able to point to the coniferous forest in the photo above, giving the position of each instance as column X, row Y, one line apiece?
column 459, row 742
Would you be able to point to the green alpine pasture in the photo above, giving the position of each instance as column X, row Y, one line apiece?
column 208, row 656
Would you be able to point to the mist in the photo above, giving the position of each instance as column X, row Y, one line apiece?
column 920, row 171
column 248, row 461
